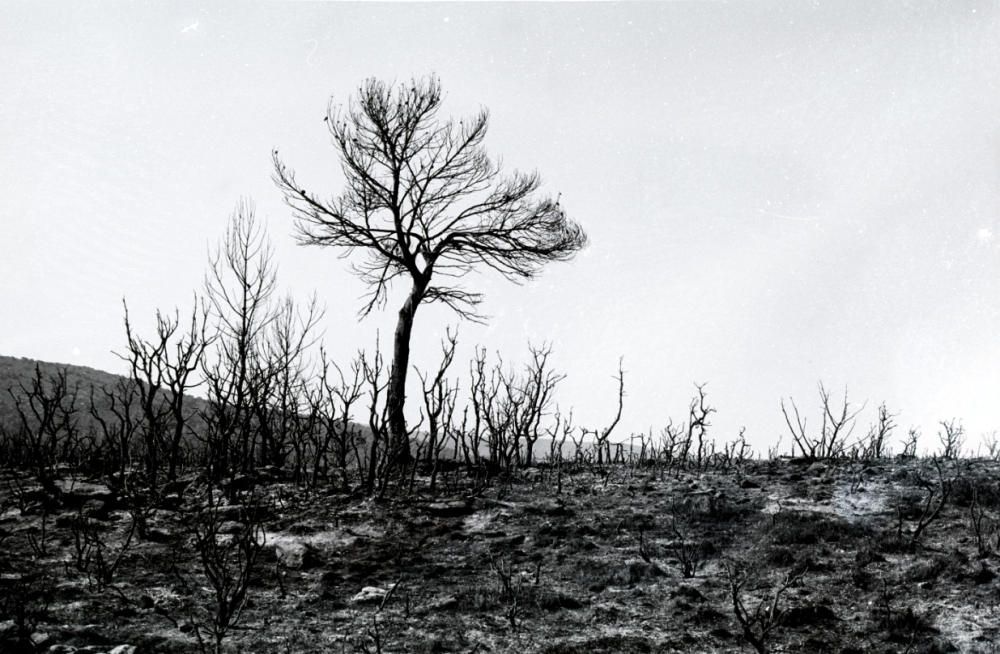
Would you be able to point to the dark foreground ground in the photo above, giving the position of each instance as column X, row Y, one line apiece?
column 814, row 557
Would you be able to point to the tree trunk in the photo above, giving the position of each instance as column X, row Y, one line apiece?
column 396, row 395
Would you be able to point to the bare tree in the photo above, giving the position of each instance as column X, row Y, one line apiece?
column 118, row 431
column 952, row 439
column 601, row 437
column 698, row 414
column 875, row 444
column 910, row 444
column 761, row 620
column 511, row 406
column 239, row 286
column 255, row 371
column 439, row 398
column 425, row 203
column 47, row 413
column 279, row 396
column 837, row 426
column 161, row 369
column 335, row 434
column 528, row 398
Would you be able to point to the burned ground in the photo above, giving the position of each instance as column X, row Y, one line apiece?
column 626, row 559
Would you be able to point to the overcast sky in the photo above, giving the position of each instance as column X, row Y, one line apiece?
column 776, row 193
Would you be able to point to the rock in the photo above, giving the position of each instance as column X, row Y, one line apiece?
column 442, row 604
column 450, row 509
column 501, row 541
column 158, row 535
column 76, row 494
column 98, row 509
column 553, row 508
column 177, row 486
column 984, row 575
column 241, row 483
column 69, row 519
column 817, row 468
column 229, row 512
column 40, row 639
column 170, row 501
column 295, row 554
column 122, row 649
column 271, row 474
column 231, row 527
column 61, row 649
column 369, row 595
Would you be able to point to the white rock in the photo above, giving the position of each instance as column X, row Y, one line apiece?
column 370, row 594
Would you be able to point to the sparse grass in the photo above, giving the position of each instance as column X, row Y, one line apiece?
column 596, row 571
column 797, row 528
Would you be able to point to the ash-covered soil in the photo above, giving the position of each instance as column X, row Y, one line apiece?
column 858, row 554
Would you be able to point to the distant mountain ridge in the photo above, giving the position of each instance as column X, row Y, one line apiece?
column 19, row 371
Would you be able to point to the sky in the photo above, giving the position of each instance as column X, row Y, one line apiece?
column 776, row 193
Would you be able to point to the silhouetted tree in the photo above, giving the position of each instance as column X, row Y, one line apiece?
column 256, row 370
column 48, row 417
column 162, row 369
column 424, row 202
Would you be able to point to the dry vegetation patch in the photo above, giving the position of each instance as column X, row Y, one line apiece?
column 640, row 562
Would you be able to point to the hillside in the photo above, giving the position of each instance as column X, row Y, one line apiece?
column 836, row 557
column 15, row 371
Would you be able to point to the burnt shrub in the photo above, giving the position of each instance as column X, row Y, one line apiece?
column 806, row 528
column 623, row 644
column 24, row 599
column 807, row 616
column 903, row 626
column 780, row 556
column 966, row 491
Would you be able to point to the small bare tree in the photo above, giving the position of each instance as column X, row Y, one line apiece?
column 602, row 437
column 256, row 371
column 698, row 413
column 162, row 369
column 758, row 621
column 952, row 439
column 836, row 429
column 336, row 436
column 985, row 527
column 118, row 431
column 240, row 287
column 228, row 564
column 528, row 399
column 425, row 203
column 511, row 406
column 439, row 398
column 936, row 495
column 992, row 443
column 875, row 444
column 910, row 444
column 48, row 423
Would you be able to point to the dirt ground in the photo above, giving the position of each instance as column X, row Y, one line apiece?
column 621, row 560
